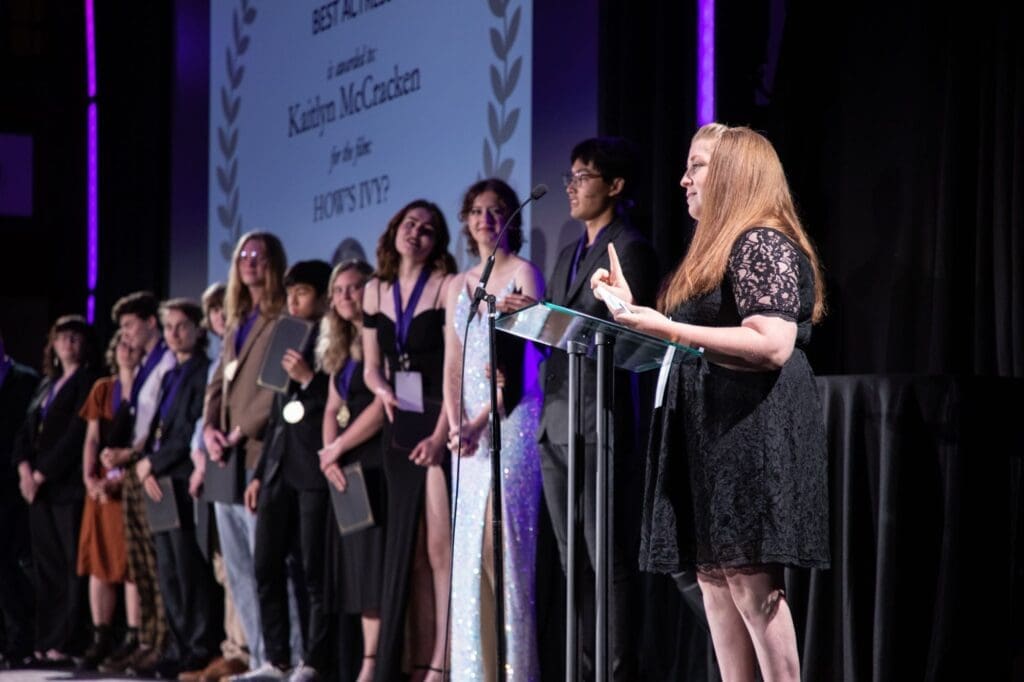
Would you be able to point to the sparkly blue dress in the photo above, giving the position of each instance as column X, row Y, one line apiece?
column 521, row 490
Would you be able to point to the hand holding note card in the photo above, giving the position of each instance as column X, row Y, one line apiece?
column 613, row 302
column 289, row 333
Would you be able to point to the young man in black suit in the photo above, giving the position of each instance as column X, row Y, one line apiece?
column 288, row 493
column 185, row 578
column 598, row 187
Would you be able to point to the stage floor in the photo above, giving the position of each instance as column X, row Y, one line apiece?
column 42, row 675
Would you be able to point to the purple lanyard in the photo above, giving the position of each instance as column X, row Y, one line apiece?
column 343, row 380
column 45, row 407
column 168, row 391
column 579, row 255
column 243, row 331
column 115, row 398
column 152, row 360
column 403, row 318
column 5, row 366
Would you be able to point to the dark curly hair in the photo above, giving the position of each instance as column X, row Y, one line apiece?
column 439, row 258
column 507, row 199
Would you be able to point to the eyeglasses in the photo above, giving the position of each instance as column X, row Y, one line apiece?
column 257, row 256
column 576, row 179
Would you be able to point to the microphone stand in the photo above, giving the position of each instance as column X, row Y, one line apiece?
column 497, row 529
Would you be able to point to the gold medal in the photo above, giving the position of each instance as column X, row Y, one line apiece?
column 293, row 412
column 344, row 415
column 230, row 370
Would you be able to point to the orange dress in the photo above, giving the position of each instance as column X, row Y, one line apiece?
column 101, row 542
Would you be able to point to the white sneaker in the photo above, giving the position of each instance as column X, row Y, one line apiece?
column 265, row 673
column 304, row 673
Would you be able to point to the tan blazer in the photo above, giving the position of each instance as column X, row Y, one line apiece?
column 241, row 401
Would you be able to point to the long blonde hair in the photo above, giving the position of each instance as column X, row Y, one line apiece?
column 237, row 301
column 745, row 187
column 339, row 338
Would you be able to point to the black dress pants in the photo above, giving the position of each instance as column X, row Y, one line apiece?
column 15, row 576
column 625, row 546
column 60, row 593
column 286, row 515
column 186, row 585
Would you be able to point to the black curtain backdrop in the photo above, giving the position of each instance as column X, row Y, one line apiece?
column 43, row 72
column 900, row 127
column 134, row 54
column 42, row 266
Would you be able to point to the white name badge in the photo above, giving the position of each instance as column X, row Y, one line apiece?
column 293, row 412
column 666, row 367
column 409, row 391
column 230, row 370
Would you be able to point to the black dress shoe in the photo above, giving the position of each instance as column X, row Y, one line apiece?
column 118, row 659
column 101, row 646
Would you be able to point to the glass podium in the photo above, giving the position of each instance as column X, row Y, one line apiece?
column 610, row 345
column 557, row 327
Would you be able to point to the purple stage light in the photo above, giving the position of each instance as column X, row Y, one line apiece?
column 90, row 49
column 92, row 167
column 92, row 200
column 705, row 61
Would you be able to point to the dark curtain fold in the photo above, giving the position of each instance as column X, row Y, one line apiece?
column 646, row 94
column 923, row 518
column 900, row 127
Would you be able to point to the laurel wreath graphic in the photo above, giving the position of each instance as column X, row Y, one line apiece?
column 227, row 133
column 504, row 79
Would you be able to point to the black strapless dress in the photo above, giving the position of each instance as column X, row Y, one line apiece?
column 404, row 479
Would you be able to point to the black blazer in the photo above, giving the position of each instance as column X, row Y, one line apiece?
column 173, row 458
column 640, row 267
column 291, row 449
column 15, row 395
column 53, row 444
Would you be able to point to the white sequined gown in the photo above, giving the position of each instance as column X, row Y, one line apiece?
column 521, row 491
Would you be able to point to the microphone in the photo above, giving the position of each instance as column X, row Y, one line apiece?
column 481, row 288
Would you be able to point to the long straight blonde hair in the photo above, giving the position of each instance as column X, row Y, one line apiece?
column 237, row 301
column 745, row 187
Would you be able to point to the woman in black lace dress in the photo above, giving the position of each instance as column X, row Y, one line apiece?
column 737, row 464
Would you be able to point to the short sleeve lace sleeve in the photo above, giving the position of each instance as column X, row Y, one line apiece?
column 765, row 278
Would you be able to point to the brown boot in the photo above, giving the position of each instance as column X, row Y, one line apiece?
column 221, row 668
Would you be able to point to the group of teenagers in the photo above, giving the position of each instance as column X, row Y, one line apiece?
column 721, row 486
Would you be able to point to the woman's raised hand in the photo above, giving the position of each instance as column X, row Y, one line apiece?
column 612, row 279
